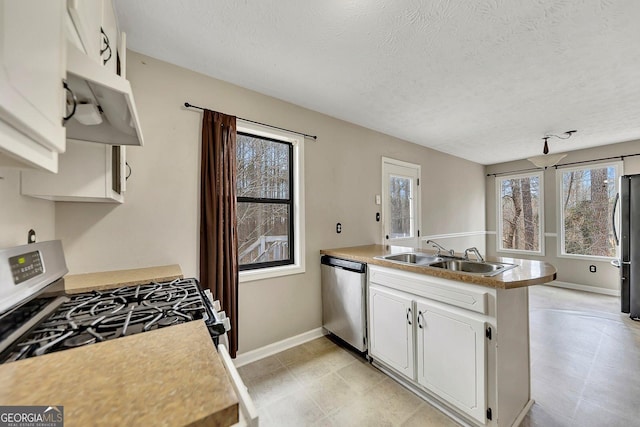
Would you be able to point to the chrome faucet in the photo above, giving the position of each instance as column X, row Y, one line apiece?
column 440, row 248
column 475, row 252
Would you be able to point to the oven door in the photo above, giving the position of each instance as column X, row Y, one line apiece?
column 248, row 415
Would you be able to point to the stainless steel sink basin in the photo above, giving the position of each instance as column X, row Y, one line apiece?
column 460, row 265
column 412, row 258
column 485, row 268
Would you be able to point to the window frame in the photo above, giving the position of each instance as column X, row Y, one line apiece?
column 618, row 165
column 296, row 220
column 264, row 200
column 499, row 219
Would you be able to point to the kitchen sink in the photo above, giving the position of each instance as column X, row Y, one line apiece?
column 485, row 268
column 412, row 258
column 461, row 265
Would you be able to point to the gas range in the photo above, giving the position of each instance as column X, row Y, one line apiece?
column 32, row 326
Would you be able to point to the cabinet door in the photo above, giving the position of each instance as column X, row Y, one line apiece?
column 88, row 173
column 391, row 329
column 451, row 352
column 32, row 67
column 87, row 19
column 109, row 26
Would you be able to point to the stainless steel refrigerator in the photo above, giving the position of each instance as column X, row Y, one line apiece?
column 629, row 240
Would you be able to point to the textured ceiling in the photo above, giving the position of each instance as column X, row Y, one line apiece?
column 479, row 79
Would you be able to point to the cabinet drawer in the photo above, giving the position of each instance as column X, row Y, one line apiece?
column 469, row 297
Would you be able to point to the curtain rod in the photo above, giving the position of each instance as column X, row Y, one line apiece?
column 564, row 164
column 510, row 172
column 314, row 137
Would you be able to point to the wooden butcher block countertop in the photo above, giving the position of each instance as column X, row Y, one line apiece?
column 527, row 273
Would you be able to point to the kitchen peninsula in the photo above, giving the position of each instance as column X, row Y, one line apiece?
column 459, row 340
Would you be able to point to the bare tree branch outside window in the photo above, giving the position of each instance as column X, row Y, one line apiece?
column 264, row 194
column 400, row 200
column 520, row 213
column 588, row 196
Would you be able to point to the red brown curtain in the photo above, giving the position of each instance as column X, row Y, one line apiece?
column 218, row 230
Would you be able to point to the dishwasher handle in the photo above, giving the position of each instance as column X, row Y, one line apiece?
column 356, row 267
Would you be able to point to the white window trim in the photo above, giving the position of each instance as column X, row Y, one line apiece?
column 560, row 241
column 297, row 141
column 541, row 233
column 418, row 198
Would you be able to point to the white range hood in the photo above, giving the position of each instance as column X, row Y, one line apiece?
column 94, row 84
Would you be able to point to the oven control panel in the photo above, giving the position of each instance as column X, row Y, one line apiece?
column 25, row 266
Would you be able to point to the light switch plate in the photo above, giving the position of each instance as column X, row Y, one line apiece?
column 378, row 201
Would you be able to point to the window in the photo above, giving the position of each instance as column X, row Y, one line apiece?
column 520, row 213
column 586, row 197
column 400, row 202
column 268, row 191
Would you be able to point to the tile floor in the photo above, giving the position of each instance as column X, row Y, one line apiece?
column 585, row 362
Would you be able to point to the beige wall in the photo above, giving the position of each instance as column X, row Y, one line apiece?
column 158, row 223
column 19, row 214
column 569, row 270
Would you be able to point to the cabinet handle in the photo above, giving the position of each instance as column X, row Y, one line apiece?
column 105, row 39
column 419, row 316
column 409, row 316
column 66, row 87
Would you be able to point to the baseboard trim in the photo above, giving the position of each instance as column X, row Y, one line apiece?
column 524, row 412
column 585, row 288
column 277, row 347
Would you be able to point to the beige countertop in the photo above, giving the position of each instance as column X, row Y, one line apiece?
column 527, row 273
column 171, row 376
column 78, row 283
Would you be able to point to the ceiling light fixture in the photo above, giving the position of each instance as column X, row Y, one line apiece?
column 567, row 135
column 547, row 160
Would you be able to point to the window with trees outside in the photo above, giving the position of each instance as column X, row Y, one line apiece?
column 586, row 197
column 265, row 202
column 520, row 213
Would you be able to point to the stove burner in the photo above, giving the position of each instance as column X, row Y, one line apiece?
column 80, row 339
column 170, row 320
column 103, row 315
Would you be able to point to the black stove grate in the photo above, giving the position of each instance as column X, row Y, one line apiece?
column 102, row 315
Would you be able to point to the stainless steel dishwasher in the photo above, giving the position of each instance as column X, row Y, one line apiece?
column 344, row 300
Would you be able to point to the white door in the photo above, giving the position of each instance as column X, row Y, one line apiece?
column 391, row 329
column 451, row 357
column 400, row 203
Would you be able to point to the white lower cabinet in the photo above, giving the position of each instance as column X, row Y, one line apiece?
column 451, row 355
column 463, row 347
column 391, row 329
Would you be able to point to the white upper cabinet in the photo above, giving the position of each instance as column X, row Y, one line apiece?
column 109, row 43
column 106, row 112
column 88, row 173
column 86, row 16
column 32, row 69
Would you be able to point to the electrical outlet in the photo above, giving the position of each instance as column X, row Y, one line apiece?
column 592, row 268
column 338, row 228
